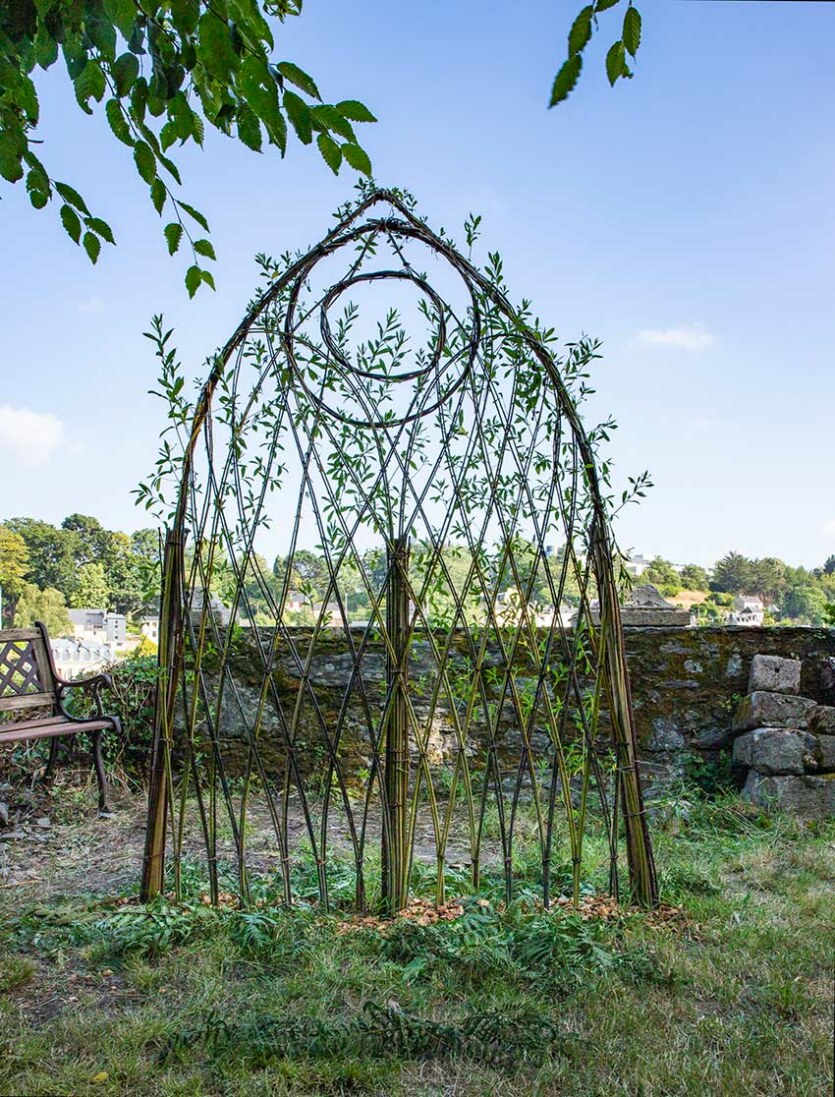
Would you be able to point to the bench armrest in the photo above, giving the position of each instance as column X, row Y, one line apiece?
column 96, row 682
column 93, row 685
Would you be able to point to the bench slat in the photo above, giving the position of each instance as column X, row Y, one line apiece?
column 17, row 733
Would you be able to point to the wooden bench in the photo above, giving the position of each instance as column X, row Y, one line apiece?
column 28, row 681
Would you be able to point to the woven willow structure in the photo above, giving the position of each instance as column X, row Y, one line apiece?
column 445, row 480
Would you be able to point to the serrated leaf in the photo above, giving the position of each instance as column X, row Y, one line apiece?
column 298, row 77
column 146, row 163
column 71, row 195
column 215, row 48
column 11, row 167
column 615, row 62
column 355, row 111
column 125, row 70
column 206, row 276
column 249, row 128
column 299, row 114
column 158, row 194
column 580, row 31
column 604, row 5
column 173, row 236
column 632, row 30
column 101, row 228
column 92, row 245
column 329, row 118
column 195, row 214
column 566, row 79
column 38, row 198
column 357, row 158
column 194, row 276
column 331, row 152
column 70, row 221
column 204, row 247
column 117, row 122
column 89, row 84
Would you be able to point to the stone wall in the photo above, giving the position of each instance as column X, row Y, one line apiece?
column 686, row 683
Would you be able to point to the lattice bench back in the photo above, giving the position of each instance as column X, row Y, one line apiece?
column 26, row 675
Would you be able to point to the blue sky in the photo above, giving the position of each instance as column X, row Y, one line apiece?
column 685, row 218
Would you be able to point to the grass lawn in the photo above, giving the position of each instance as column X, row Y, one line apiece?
column 730, row 993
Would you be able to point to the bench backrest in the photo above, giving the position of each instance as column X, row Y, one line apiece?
column 26, row 673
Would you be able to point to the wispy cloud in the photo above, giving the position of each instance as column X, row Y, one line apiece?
column 31, row 437
column 705, row 423
column 690, row 337
column 92, row 304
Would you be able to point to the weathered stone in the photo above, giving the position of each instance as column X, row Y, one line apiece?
column 821, row 720
column 734, row 666
column 44, row 822
column 665, row 735
column 4, row 814
column 777, row 751
column 772, row 710
column 827, row 677
column 774, row 674
column 809, row 797
column 715, row 738
column 826, row 746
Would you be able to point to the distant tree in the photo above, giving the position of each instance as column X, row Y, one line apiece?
column 806, row 602
column 14, row 566
column 52, row 561
column 47, row 605
column 92, row 589
column 829, row 566
column 694, row 577
column 768, row 578
column 734, row 573
column 663, row 575
column 92, row 541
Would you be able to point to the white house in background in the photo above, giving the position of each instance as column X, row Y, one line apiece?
column 636, row 564
column 99, row 626
column 80, row 658
column 150, row 629
column 747, row 609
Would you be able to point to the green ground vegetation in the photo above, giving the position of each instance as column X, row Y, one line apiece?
column 728, row 993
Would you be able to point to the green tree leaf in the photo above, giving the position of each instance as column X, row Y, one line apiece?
column 580, row 31
column 331, row 152
column 300, row 118
column 125, row 70
column 146, row 163
column 117, row 122
column 70, row 221
column 632, row 30
column 158, row 194
column 89, row 84
column 194, row 276
column 604, row 5
column 204, row 247
column 249, row 128
column 92, row 245
column 357, row 158
column 71, row 195
column 615, row 62
column 566, row 79
column 356, row 112
column 195, row 214
column 299, row 77
column 101, row 228
column 173, row 235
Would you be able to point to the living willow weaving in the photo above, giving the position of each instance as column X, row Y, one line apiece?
column 436, row 657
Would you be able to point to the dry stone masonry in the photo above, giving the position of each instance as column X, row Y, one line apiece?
column 785, row 743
